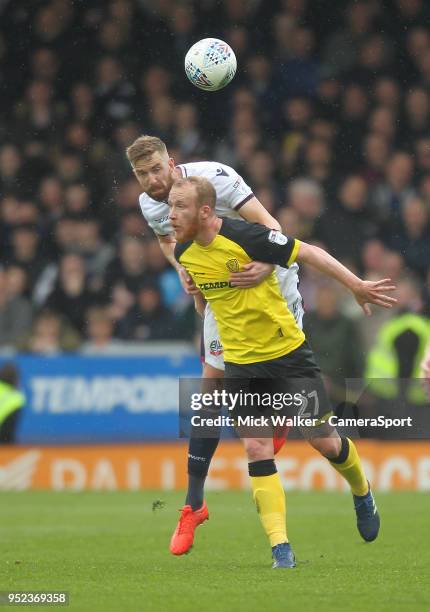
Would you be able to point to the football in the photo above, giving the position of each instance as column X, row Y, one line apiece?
column 210, row 64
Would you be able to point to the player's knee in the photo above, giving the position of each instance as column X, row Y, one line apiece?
column 258, row 449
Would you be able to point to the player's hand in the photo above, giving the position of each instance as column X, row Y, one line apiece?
column 187, row 282
column 251, row 275
column 373, row 292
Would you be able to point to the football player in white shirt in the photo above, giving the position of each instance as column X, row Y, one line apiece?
column 156, row 171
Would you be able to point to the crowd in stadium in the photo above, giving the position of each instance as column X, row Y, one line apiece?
column 327, row 120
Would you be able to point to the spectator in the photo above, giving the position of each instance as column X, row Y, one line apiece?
column 71, row 296
column 331, row 335
column 15, row 311
column 305, row 197
column 148, row 319
column 387, row 198
column 96, row 253
column 99, row 332
column 375, row 156
column 345, row 228
column 413, row 239
column 50, row 335
column 131, row 265
column 26, row 251
column 328, row 110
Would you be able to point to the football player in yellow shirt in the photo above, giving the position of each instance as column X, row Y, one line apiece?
column 262, row 340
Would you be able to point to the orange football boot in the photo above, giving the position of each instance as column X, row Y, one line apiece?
column 183, row 536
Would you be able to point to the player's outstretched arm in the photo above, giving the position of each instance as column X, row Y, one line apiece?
column 365, row 292
column 167, row 246
column 253, row 211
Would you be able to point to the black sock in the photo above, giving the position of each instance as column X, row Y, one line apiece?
column 200, row 453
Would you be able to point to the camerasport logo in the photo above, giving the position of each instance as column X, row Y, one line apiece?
column 215, row 348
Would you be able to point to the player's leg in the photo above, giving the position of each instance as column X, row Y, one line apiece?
column 200, row 453
column 200, row 450
column 269, row 498
column 343, row 456
column 303, row 377
column 267, row 489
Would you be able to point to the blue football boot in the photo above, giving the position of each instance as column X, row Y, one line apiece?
column 368, row 520
column 283, row 556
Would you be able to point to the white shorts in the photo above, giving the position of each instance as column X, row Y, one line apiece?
column 212, row 350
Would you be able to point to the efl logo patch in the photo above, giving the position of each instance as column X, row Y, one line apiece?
column 277, row 238
column 233, row 265
column 215, row 348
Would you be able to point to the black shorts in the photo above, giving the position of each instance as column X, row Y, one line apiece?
column 300, row 363
column 293, row 382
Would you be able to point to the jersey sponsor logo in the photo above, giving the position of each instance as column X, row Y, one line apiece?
column 162, row 219
column 233, row 265
column 215, row 285
column 277, row 238
column 221, row 172
column 237, row 183
column 215, row 348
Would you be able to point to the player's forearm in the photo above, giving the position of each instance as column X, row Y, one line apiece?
column 167, row 247
column 324, row 262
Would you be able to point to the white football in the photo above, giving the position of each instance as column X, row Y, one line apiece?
column 210, row 64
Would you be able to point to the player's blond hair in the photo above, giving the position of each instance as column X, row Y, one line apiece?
column 205, row 191
column 144, row 147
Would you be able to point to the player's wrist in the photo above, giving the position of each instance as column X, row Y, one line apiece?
column 356, row 284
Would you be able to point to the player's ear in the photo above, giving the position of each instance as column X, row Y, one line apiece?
column 171, row 163
column 205, row 211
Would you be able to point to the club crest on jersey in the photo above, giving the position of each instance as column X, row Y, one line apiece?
column 277, row 238
column 215, row 348
column 233, row 265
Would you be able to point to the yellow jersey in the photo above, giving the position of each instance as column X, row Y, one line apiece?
column 254, row 324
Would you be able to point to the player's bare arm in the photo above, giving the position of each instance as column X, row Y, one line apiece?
column 255, row 272
column 167, row 246
column 365, row 292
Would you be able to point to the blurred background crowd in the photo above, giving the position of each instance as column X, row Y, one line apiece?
column 327, row 120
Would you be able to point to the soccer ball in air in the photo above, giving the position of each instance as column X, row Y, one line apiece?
column 210, row 64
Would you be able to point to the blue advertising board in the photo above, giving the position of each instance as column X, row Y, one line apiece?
column 86, row 399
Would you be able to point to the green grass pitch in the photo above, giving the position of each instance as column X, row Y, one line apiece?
column 110, row 552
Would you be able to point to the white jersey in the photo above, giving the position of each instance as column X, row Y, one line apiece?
column 231, row 194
